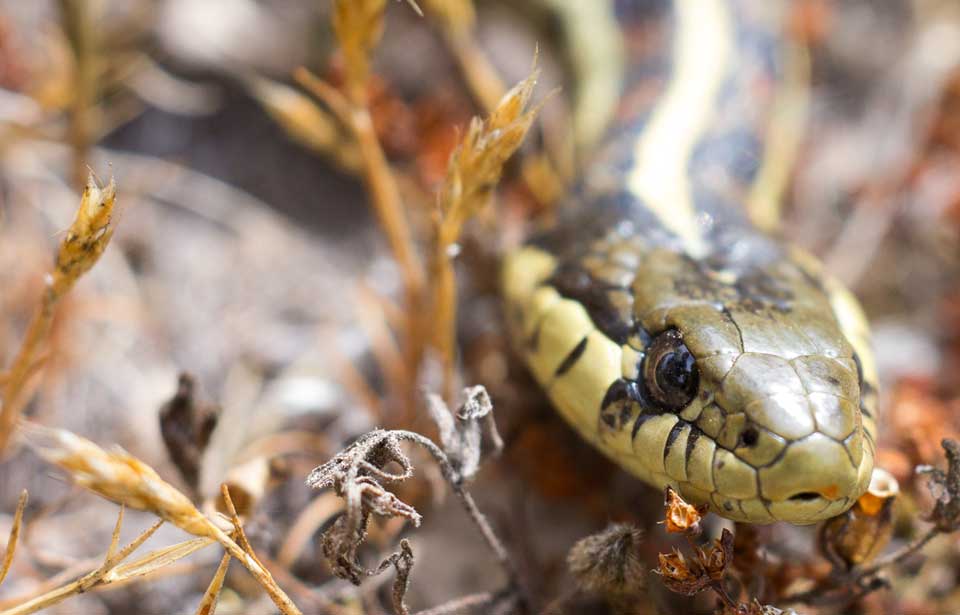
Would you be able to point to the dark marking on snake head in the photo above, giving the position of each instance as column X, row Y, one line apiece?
column 692, row 438
column 575, row 283
column 571, row 359
column 620, row 390
column 637, row 424
column 672, row 437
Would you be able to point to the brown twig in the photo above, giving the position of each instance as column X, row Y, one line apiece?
column 14, row 536
column 79, row 26
column 208, row 604
column 84, row 242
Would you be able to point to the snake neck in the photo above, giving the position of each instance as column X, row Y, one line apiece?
column 689, row 135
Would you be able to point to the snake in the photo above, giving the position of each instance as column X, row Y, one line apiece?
column 692, row 348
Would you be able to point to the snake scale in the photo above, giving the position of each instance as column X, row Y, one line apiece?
column 684, row 343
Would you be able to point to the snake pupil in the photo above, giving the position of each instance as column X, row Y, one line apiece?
column 670, row 371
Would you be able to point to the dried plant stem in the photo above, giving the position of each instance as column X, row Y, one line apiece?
column 85, row 241
column 861, row 578
column 456, row 483
column 78, row 24
column 14, row 536
column 308, row 521
column 473, row 171
column 482, row 78
column 208, row 604
column 388, row 206
column 103, row 575
column 384, row 191
column 461, row 604
column 900, row 554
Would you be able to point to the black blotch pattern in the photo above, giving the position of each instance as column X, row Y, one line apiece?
column 571, row 358
column 672, row 437
column 575, row 283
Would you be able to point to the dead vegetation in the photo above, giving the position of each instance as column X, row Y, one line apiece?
column 356, row 380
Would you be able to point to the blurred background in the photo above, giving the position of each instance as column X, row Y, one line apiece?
column 247, row 256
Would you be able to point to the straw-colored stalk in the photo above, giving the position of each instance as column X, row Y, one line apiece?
column 14, row 536
column 456, row 20
column 112, row 571
column 79, row 25
column 84, row 242
column 124, row 479
column 388, row 206
column 473, row 172
column 384, row 192
column 358, row 25
column 208, row 604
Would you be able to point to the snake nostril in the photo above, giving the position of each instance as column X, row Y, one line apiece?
column 749, row 436
column 805, row 496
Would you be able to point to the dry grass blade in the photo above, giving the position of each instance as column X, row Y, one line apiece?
column 103, row 575
column 14, row 536
column 159, row 558
column 472, row 174
column 124, row 479
column 241, row 536
column 84, row 242
column 208, row 604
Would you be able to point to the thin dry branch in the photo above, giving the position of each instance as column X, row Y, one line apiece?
column 457, row 19
column 208, row 604
column 84, row 242
column 103, row 575
column 384, row 192
column 14, row 536
column 358, row 475
column 81, row 29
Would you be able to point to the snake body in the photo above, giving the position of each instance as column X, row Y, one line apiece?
column 688, row 346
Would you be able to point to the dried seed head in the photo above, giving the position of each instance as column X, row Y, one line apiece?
column 680, row 575
column 88, row 236
column 476, row 164
column 117, row 476
column 679, row 516
column 608, row 562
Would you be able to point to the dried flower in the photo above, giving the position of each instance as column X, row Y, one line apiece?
column 860, row 534
column 461, row 435
column 88, row 236
column 681, row 517
column 681, row 576
column 84, row 242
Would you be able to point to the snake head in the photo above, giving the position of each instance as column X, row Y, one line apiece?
column 780, row 402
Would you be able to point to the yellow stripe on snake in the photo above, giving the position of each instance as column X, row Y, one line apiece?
column 689, row 347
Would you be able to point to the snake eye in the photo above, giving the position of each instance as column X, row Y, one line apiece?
column 670, row 371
